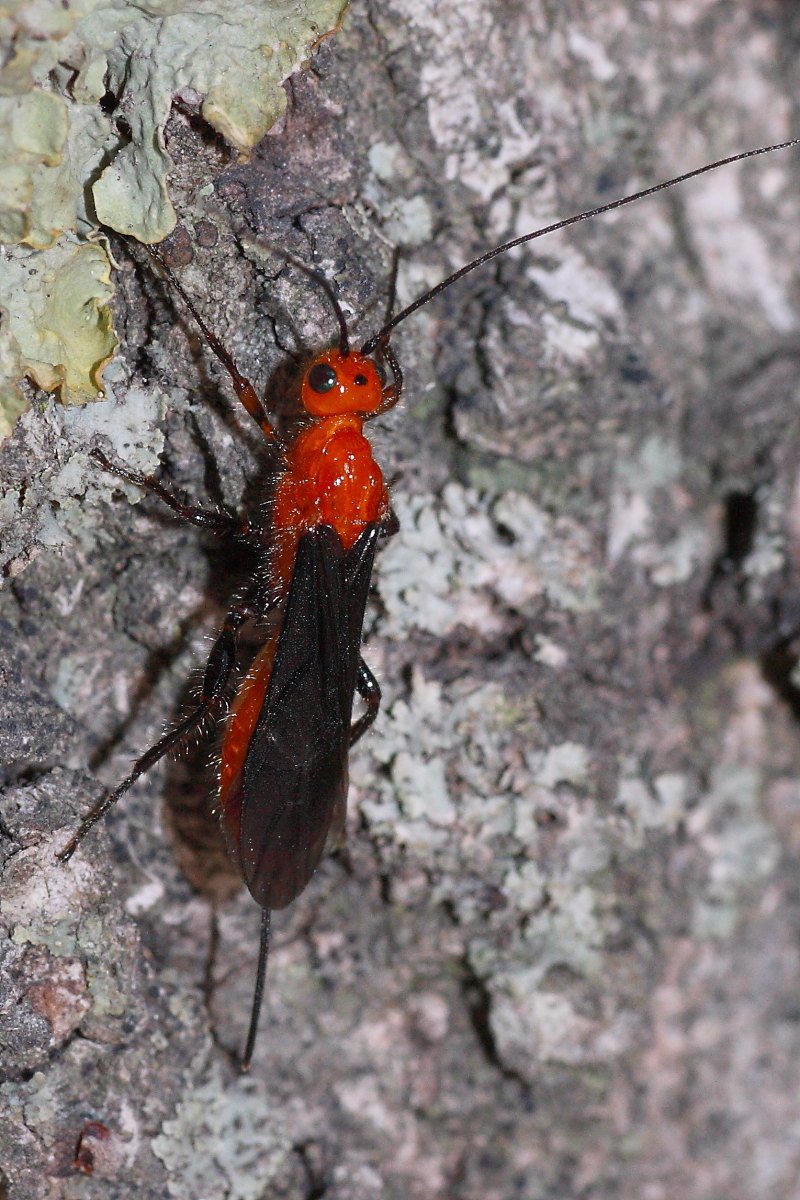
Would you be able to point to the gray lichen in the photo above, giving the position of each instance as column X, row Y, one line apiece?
column 559, row 952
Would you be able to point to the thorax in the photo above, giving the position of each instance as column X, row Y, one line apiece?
column 331, row 479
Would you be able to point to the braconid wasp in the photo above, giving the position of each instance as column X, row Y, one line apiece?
column 284, row 764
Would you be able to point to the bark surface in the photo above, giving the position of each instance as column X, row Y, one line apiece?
column 559, row 953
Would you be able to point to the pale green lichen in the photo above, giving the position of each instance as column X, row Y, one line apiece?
column 53, row 142
column 12, row 405
column 465, row 558
column 642, row 486
column 566, row 762
column 33, row 129
column 741, row 846
column 223, row 1142
column 55, row 311
column 535, row 1027
column 660, row 804
column 109, row 998
column 40, row 1098
column 68, row 164
column 130, row 420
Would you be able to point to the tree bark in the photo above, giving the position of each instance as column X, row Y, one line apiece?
column 558, row 954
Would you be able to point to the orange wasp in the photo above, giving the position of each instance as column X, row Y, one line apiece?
column 284, row 763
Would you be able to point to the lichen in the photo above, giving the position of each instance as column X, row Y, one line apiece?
column 55, row 307
column 222, row 1142
column 466, row 557
column 69, row 163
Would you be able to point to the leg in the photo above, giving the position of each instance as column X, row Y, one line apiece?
column 241, row 385
column 258, row 994
column 391, row 291
column 392, row 393
column 369, row 691
column 217, row 522
column 390, row 524
column 218, row 672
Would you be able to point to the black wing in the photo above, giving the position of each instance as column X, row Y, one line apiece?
column 294, row 780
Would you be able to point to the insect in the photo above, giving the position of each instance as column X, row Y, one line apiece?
column 284, row 762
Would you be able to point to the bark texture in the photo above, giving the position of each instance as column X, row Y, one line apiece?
column 559, row 955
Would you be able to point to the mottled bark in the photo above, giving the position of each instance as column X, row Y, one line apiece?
column 559, row 954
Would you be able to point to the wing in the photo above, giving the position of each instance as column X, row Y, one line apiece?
column 294, row 780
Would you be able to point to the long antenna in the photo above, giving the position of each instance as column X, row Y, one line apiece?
column 321, row 281
column 258, row 993
column 383, row 333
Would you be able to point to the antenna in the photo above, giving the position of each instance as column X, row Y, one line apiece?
column 321, row 281
column 383, row 334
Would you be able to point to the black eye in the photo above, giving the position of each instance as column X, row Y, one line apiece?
column 321, row 378
column 360, row 380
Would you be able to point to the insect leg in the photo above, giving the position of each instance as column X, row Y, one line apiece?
column 216, row 522
column 244, row 389
column 392, row 393
column 218, row 671
column 390, row 524
column 370, row 692
column 391, row 291
column 258, row 993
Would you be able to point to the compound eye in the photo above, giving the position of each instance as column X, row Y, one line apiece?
column 322, row 378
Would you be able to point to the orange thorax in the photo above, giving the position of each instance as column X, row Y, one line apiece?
column 331, row 479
